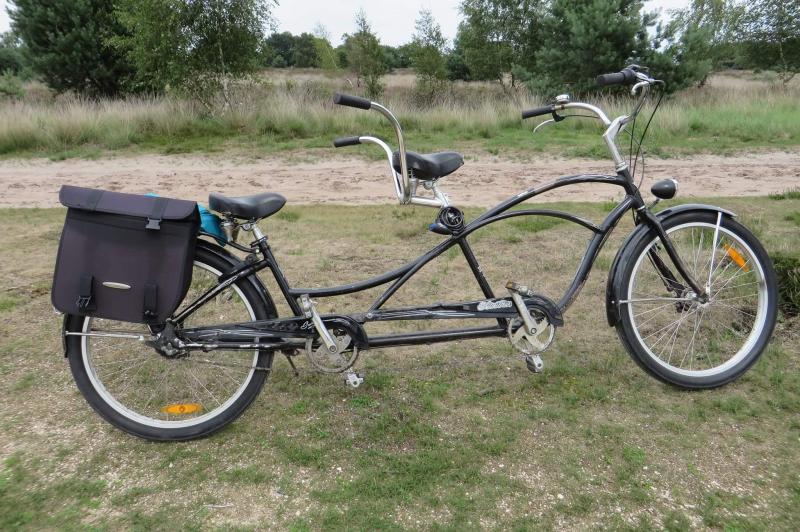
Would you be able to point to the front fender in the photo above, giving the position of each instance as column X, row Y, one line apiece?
column 614, row 283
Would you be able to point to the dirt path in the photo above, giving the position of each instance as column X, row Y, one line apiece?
column 481, row 182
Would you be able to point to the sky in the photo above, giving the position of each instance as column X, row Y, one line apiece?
column 392, row 20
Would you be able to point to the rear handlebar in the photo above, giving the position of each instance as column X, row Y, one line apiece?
column 402, row 179
column 346, row 141
column 352, row 101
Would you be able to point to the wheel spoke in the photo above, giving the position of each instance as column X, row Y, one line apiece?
column 688, row 335
column 141, row 384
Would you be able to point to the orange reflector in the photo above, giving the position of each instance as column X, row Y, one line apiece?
column 737, row 257
column 182, row 409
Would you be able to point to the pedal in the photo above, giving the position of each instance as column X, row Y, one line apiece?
column 353, row 379
column 534, row 363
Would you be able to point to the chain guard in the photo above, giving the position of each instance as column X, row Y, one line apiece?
column 326, row 362
column 530, row 344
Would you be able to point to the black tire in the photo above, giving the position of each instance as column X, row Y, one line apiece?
column 260, row 307
column 763, row 320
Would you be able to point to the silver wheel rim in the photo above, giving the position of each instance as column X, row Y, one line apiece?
column 696, row 315
column 126, row 412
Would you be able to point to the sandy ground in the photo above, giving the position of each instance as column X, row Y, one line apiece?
column 481, row 182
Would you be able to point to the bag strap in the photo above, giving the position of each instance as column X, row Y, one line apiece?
column 85, row 301
column 150, row 301
column 93, row 199
column 154, row 220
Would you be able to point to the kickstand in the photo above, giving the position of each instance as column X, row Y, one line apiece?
column 291, row 363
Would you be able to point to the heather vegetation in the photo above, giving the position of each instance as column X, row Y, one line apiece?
column 85, row 76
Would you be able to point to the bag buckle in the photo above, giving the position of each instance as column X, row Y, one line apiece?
column 153, row 223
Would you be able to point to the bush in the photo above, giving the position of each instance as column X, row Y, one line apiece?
column 787, row 268
column 10, row 85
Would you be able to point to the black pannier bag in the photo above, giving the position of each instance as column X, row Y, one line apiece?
column 124, row 257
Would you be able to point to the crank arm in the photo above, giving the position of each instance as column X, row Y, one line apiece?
column 309, row 307
column 531, row 325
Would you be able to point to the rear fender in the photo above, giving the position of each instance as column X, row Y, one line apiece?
column 614, row 285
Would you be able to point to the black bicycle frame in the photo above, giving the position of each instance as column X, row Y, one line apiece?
column 400, row 276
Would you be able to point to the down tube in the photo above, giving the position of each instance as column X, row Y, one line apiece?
column 595, row 245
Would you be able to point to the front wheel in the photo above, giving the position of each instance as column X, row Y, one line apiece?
column 676, row 336
column 183, row 397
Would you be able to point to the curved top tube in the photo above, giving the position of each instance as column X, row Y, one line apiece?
column 405, row 272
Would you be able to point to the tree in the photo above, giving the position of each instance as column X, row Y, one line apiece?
column 279, row 50
column 770, row 35
column 305, row 53
column 67, row 43
column 457, row 67
column 397, row 56
column 428, row 49
column 325, row 51
column 583, row 39
column 498, row 37
column 11, row 55
column 365, row 56
column 194, row 46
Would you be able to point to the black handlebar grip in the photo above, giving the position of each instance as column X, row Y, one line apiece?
column 624, row 76
column 351, row 101
column 539, row 111
column 341, row 142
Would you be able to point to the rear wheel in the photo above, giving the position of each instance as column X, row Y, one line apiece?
column 156, row 397
column 679, row 338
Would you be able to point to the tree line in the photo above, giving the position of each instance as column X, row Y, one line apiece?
column 197, row 47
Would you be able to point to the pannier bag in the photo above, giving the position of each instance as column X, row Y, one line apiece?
column 124, row 257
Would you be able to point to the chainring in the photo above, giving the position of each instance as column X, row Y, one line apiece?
column 325, row 361
column 527, row 343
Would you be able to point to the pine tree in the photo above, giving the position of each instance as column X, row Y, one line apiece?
column 68, row 43
column 585, row 38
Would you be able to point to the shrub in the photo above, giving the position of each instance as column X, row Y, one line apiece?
column 11, row 85
column 787, row 268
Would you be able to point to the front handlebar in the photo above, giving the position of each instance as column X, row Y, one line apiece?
column 623, row 77
column 631, row 74
column 539, row 111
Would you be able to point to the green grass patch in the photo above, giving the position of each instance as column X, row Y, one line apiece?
column 788, row 195
column 456, row 436
column 8, row 303
column 794, row 218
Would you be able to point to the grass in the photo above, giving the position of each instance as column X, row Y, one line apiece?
column 445, row 437
column 281, row 113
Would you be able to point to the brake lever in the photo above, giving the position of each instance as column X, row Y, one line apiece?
column 556, row 118
column 550, row 121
